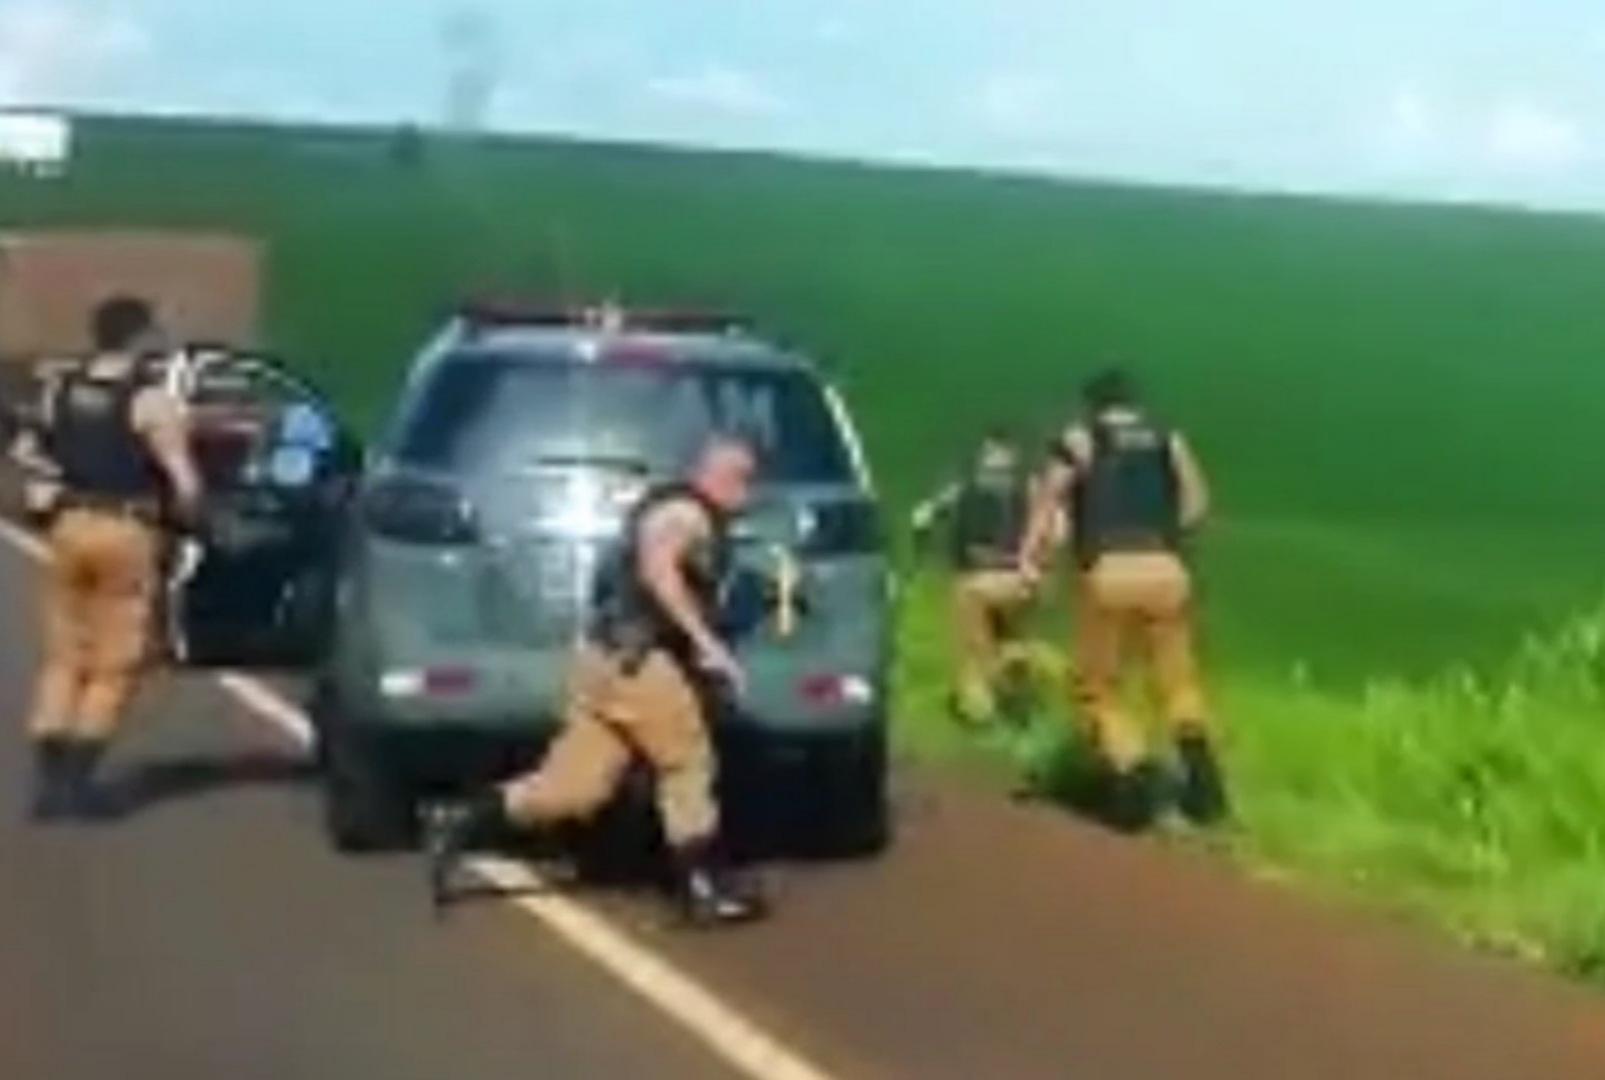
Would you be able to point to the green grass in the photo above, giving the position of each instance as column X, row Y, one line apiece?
column 1473, row 801
column 1400, row 407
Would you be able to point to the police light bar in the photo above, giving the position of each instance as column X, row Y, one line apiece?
column 686, row 321
column 606, row 317
column 503, row 311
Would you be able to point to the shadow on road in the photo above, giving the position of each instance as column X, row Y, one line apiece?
column 149, row 784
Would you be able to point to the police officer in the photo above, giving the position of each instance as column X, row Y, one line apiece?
column 1135, row 490
column 121, row 449
column 988, row 512
column 641, row 685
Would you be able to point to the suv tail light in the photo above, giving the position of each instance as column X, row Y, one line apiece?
column 834, row 691
column 434, row 682
column 850, row 527
column 419, row 511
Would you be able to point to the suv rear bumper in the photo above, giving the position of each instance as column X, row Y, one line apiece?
column 452, row 758
column 518, row 697
column 822, row 793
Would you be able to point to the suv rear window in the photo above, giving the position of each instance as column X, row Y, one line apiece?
column 490, row 412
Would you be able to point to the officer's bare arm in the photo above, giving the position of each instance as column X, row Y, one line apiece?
column 1052, row 495
column 30, row 456
column 667, row 537
column 28, row 449
column 159, row 418
column 926, row 513
column 1049, row 495
column 1193, row 485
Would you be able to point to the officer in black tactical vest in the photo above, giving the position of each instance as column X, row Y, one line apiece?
column 120, row 448
column 641, row 686
column 1134, row 490
column 987, row 512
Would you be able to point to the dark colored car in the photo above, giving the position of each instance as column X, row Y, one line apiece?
column 252, row 582
column 255, row 583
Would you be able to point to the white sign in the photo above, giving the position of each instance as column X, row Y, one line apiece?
column 38, row 143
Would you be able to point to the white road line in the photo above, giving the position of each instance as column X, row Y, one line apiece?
column 740, row 1042
column 267, row 705
column 736, row 1039
column 25, row 541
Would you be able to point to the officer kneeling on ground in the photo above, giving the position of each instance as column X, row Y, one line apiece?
column 988, row 512
column 642, row 684
column 120, row 447
column 1134, row 490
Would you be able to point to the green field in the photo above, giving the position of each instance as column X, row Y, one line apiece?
column 1400, row 407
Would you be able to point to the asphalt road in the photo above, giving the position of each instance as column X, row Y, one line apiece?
column 210, row 933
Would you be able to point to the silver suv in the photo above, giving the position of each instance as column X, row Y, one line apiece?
column 521, row 439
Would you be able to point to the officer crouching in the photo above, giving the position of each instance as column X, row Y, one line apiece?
column 120, row 449
column 1134, row 490
column 642, row 684
column 987, row 511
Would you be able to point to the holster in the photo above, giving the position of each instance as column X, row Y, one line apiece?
column 627, row 644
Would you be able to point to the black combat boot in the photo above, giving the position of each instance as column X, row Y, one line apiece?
column 88, row 799
column 451, row 831
column 51, row 799
column 1130, row 801
column 710, row 893
column 1203, row 792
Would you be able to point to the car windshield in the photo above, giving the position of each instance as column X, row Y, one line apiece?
column 500, row 413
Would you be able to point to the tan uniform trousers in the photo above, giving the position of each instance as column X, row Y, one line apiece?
column 97, row 599
column 612, row 716
column 984, row 602
column 1150, row 594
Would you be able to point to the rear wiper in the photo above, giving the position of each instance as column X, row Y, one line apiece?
column 598, row 462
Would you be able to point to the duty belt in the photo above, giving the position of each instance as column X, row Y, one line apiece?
column 141, row 508
column 1127, row 543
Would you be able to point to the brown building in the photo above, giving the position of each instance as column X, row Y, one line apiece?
column 205, row 287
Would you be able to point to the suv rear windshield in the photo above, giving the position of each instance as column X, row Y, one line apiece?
column 498, row 413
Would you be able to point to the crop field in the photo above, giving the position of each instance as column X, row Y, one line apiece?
column 1402, row 409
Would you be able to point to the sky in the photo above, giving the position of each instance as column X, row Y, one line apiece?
column 1486, row 100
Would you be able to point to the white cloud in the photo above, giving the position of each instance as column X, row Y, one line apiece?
column 1532, row 136
column 721, row 89
column 53, row 50
column 1498, row 146
column 1018, row 105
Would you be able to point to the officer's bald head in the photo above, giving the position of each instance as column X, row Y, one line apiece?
column 725, row 469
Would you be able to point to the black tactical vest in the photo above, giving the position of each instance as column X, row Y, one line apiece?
column 92, row 438
column 1126, row 498
column 989, row 520
column 627, row 616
